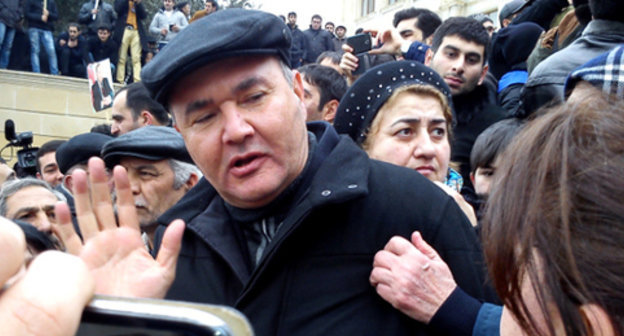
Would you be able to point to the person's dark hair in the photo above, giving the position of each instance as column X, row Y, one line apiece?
column 48, row 147
column 428, row 21
column 73, row 24
column 555, row 216
column 332, row 55
column 181, row 5
column 329, row 82
column 612, row 10
column 36, row 240
column 492, row 142
column 359, row 31
column 316, row 16
column 102, row 128
column 482, row 18
column 329, row 23
column 582, row 11
column 292, row 13
column 465, row 28
column 139, row 99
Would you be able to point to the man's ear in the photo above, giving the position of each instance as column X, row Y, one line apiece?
column 483, row 73
column 298, row 84
column 39, row 176
column 146, row 118
column 597, row 320
column 68, row 182
column 191, row 182
column 428, row 57
column 329, row 111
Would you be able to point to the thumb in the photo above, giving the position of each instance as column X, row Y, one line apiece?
column 423, row 247
column 171, row 244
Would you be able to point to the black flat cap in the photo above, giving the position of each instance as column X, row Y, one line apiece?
column 510, row 9
column 79, row 149
column 152, row 143
column 223, row 34
column 359, row 106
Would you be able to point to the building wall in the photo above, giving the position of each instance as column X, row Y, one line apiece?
column 52, row 107
column 381, row 17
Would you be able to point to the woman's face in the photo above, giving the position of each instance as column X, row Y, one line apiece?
column 413, row 134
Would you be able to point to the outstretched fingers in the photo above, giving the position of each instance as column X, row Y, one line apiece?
column 65, row 229
column 101, row 194
column 82, row 201
column 126, row 209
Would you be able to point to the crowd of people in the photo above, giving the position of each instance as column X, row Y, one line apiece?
column 454, row 180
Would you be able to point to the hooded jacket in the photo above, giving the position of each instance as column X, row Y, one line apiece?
column 313, row 277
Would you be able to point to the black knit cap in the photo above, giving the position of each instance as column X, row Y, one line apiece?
column 222, row 34
column 79, row 149
column 359, row 106
column 152, row 143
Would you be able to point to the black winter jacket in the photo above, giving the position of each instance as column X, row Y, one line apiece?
column 11, row 12
column 34, row 10
column 318, row 41
column 121, row 7
column 313, row 277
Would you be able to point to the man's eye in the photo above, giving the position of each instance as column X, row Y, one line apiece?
column 253, row 98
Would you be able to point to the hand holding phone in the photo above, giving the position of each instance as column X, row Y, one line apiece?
column 361, row 44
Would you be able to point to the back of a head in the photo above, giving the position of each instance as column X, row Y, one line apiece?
column 465, row 28
column 138, row 99
column 555, row 215
column 612, row 10
column 428, row 21
column 491, row 143
column 329, row 82
column 333, row 56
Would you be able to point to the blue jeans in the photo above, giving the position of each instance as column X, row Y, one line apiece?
column 6, row 42
column 45, row 36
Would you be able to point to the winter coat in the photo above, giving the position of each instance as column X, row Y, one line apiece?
column 11, row 12
column 313, row 277
column 298, row 48
column 121, row 7
column 318, row 41
column 545, row 84
column 34, row 10
column 105, row 16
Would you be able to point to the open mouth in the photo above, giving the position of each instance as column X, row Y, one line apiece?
column 244, row 161
column 246, row 164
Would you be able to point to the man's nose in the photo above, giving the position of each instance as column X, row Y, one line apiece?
column 236, row 127
column 42, row 222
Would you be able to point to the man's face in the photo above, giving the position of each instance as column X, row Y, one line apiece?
column 407, row 29
column 316, row 23
column 482, row 180
column 460, row 63
column 311, row 99
column 292, row 19
column 34, row 205
column 329, row 27
column 49, row 169
column 6, row 173
column 103, row 34
column 73, row 33
column 244, row 126
column 340, row 32
column 123, row 121
column 168, row 4
column 209, row 7
column 489, row 26
column 151, row 183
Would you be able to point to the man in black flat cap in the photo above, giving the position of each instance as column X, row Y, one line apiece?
column 293, row 216
column 159, row 168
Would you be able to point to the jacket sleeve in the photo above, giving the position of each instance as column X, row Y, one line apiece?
column 541, row 12
column 84, row 16
column 182, row 21
column 121, row 7
column 53, row 16
column 140, row 11
column 154, row 26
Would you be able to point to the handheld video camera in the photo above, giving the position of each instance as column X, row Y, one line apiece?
column 27, row 156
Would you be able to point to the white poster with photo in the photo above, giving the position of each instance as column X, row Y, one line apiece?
column 101, row 85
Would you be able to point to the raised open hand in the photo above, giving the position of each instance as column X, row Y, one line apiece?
column 115, row 253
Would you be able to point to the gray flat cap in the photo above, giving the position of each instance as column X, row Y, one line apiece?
column 223, row 34
column 152, row 143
